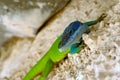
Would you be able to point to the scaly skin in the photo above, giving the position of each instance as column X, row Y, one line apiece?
column 54, row 54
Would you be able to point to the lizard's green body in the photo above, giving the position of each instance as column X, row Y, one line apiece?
column 53, row 56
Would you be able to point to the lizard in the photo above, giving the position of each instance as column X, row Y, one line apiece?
column 70, row 41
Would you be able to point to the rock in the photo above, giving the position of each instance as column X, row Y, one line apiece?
column 23, row 18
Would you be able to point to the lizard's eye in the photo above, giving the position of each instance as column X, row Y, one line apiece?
column 70, row 31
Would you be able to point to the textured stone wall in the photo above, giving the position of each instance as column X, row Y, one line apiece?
column 100, row 58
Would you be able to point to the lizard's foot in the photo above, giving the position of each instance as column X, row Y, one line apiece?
column 103, row 15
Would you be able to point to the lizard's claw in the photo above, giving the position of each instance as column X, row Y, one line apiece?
column 103, row 15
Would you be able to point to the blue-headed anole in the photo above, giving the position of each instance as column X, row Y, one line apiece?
column 70, row 41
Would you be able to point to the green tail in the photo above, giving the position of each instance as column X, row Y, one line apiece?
column 96, row 21
column 37, row 69
column 47, row 70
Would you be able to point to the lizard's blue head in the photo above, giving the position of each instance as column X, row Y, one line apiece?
column 68, row 33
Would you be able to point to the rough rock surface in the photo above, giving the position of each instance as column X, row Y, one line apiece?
column 100, row 58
